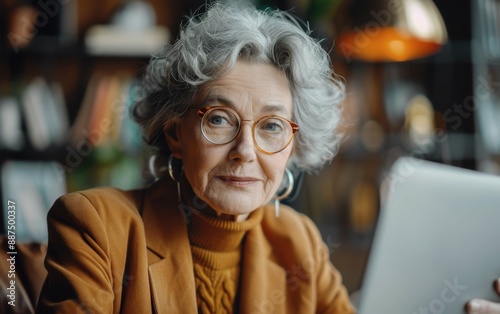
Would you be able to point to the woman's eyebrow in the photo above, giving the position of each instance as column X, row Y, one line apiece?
column 220, row 99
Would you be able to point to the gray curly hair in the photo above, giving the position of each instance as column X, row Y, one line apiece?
column 210, row 45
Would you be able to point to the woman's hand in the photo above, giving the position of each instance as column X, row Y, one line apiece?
column 477, row 306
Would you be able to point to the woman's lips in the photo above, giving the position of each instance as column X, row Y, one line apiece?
column 238, row 181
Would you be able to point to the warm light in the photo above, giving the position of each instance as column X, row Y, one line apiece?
column 397, row 46
column 420, row 119
column 389, row 30
column 389, row 44
column 421, row 23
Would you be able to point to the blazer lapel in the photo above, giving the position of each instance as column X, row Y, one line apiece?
column 263, row 287
column 171, row 266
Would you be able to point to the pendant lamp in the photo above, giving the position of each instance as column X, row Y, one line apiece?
column 388, row 30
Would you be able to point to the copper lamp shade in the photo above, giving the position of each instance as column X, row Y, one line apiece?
column 388, row 30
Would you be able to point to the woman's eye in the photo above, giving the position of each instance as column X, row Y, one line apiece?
column 221, row 118
column 218, row 120
column 273, row 126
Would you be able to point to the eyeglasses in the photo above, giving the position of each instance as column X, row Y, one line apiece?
column 221, row 125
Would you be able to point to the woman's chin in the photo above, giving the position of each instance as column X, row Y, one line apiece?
column 232, row 203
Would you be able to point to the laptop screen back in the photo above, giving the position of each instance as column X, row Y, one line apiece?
column 437, row 242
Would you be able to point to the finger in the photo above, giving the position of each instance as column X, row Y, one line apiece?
column 477, row 306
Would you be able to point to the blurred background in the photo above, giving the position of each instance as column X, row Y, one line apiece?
column 422, row 77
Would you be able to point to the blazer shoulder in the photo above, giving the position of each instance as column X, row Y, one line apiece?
column 290, row 227
column 107, row 202
column 289, row 219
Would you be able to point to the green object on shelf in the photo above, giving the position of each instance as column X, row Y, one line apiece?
column 107, row 153
column 321, row 9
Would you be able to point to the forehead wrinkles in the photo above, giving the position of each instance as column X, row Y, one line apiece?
column 246, row 106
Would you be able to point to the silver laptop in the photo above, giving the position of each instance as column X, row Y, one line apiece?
column 437, row 242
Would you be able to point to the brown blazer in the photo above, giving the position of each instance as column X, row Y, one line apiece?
column 113, row 251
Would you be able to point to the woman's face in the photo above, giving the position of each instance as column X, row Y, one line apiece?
column 235, row 178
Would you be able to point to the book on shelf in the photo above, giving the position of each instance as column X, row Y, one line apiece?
column 11, row 133
column 32, row 187
column 130, row 134
column 83, row 116
column 104, row 116
column 36, row 123
column 45, row 114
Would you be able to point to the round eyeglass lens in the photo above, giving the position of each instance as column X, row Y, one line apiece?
column 273, row 134
column 220, row 126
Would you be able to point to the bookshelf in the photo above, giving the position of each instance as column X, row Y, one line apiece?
column 69, row 74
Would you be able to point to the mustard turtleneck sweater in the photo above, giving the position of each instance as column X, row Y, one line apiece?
column 216, row 246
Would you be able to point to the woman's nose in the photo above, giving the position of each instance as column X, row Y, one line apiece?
column 243, row 148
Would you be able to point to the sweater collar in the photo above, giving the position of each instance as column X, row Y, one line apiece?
column 219, row 235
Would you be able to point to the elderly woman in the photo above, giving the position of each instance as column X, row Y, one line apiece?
column 241, row 98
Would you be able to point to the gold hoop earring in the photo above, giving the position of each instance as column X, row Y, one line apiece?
column 288, row 191
column 170, row 169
